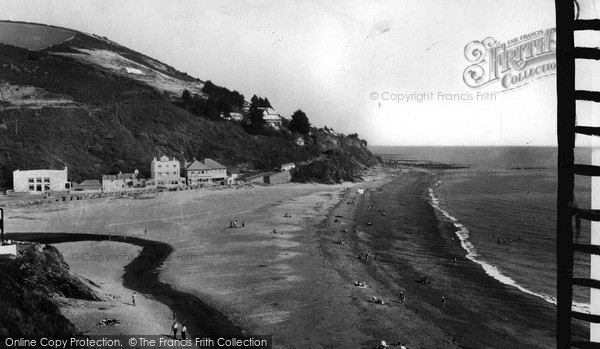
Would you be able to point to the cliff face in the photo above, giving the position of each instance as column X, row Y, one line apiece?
column 343, row 159
column 30, row 284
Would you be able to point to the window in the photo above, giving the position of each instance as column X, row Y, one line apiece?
column 38, row 187
column 159, row 166
column 46, row 179
column 67, row 185
column 31, row 187
column 46, row 187
column 30, row 180
column 38, row 180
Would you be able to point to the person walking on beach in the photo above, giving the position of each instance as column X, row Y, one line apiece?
column 243, row 224
column 443, row 302
column 183, row 331
column 175, row 327
column 133, row 299
column 145, row 231
column 402, row 298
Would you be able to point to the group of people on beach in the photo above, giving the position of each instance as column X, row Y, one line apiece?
column 175, row 328
column 364, row 256
column 234, row 224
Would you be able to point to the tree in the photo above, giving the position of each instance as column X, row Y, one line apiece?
column 186, row 98
column 299, row 123
column 256, row 121
column 267, row 103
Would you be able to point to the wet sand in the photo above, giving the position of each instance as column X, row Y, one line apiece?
column 480, row 312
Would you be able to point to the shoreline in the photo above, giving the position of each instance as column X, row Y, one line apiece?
column 462, row 233
column 410, row 241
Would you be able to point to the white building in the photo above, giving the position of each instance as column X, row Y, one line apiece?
column 166, row 173
column 218, row 172
column 272, row 119
column 288, row 166
column 197, row 173
column 40, row 181
column 236, row 116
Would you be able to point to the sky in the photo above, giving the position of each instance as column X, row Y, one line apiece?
column 338, row 61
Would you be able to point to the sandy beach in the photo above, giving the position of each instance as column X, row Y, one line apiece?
column 209, row 260
column 84, row 259
column 289, row 268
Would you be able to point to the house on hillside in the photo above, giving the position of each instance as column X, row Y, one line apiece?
column 300, row 141
column 122, row 181
column 272, row 119
column 235, row 117
column 166, row 173
column 40, row 181
column 133, row 71
column 288, row 166
column 197, row 173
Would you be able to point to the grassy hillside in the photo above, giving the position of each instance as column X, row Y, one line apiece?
column 78, row 110
column 32, row 36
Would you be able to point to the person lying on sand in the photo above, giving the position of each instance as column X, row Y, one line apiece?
column 377, row 301
column 360, row 284
column 424, row 279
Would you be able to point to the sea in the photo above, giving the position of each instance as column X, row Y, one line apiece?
column 503, row 204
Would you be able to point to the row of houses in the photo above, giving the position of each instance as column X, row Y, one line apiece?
column 165, row 173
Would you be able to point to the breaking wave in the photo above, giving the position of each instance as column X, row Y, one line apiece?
column 463, row 235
